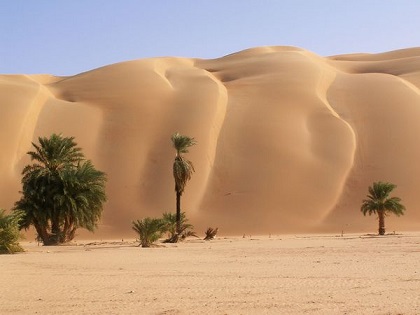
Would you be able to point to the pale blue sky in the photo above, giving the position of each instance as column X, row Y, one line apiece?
column 66, row 37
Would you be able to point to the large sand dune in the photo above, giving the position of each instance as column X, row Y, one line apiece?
column 288, row 141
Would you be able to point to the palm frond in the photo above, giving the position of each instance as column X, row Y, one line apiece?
column 182, row 143
column 211, row 233
column 182, row 171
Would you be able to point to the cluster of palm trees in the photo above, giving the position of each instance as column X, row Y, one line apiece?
column 62, row 191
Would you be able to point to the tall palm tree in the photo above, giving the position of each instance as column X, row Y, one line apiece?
column 182, row 170
column 61, row 191
column 379, row 202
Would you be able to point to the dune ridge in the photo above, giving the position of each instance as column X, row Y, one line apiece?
column 288, row 141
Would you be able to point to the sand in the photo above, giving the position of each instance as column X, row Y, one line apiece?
column 288, row 141
column 280, row 274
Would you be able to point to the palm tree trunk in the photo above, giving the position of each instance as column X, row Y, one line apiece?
column 69, row 230
column 42, row 233
column 178, row 212
column 55, row 229
column 381, row 216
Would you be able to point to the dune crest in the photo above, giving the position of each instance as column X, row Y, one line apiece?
column 288, row 141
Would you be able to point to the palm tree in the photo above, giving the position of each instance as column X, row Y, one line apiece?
column 170, row 225
column 61, row 191
column 53, row 154
column 379, row 202
column 182, row 170
column 149, row 230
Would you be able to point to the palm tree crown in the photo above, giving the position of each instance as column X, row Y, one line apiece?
column 182, row 168
column 54, row 153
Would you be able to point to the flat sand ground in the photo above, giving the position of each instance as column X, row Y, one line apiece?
column 282, row 274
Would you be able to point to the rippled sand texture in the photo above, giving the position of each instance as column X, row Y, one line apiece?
column 288, row 141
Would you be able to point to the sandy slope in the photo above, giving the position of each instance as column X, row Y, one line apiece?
column 322, row 274
column 288, row 141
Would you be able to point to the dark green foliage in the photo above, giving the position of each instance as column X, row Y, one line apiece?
column 182, row 143
column 170, row 226
column 378, row 202
column 61, row 191
column 182, row 171
column 182, row 168
column 149, row 230
column 9, row 233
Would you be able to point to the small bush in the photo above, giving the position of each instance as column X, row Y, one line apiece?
column 169, row 221
column 149, row 230
column 9, row 233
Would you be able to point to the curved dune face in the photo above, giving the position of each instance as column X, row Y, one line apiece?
column 288, row 141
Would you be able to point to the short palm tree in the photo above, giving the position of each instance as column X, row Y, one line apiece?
column 182, row 170
column 170, row 225
column 61, row 191
column 379, row 202
column 149, row 230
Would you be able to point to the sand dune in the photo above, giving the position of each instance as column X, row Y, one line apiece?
column 288, row 141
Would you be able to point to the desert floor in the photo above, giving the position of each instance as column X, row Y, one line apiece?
column 278, row 274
